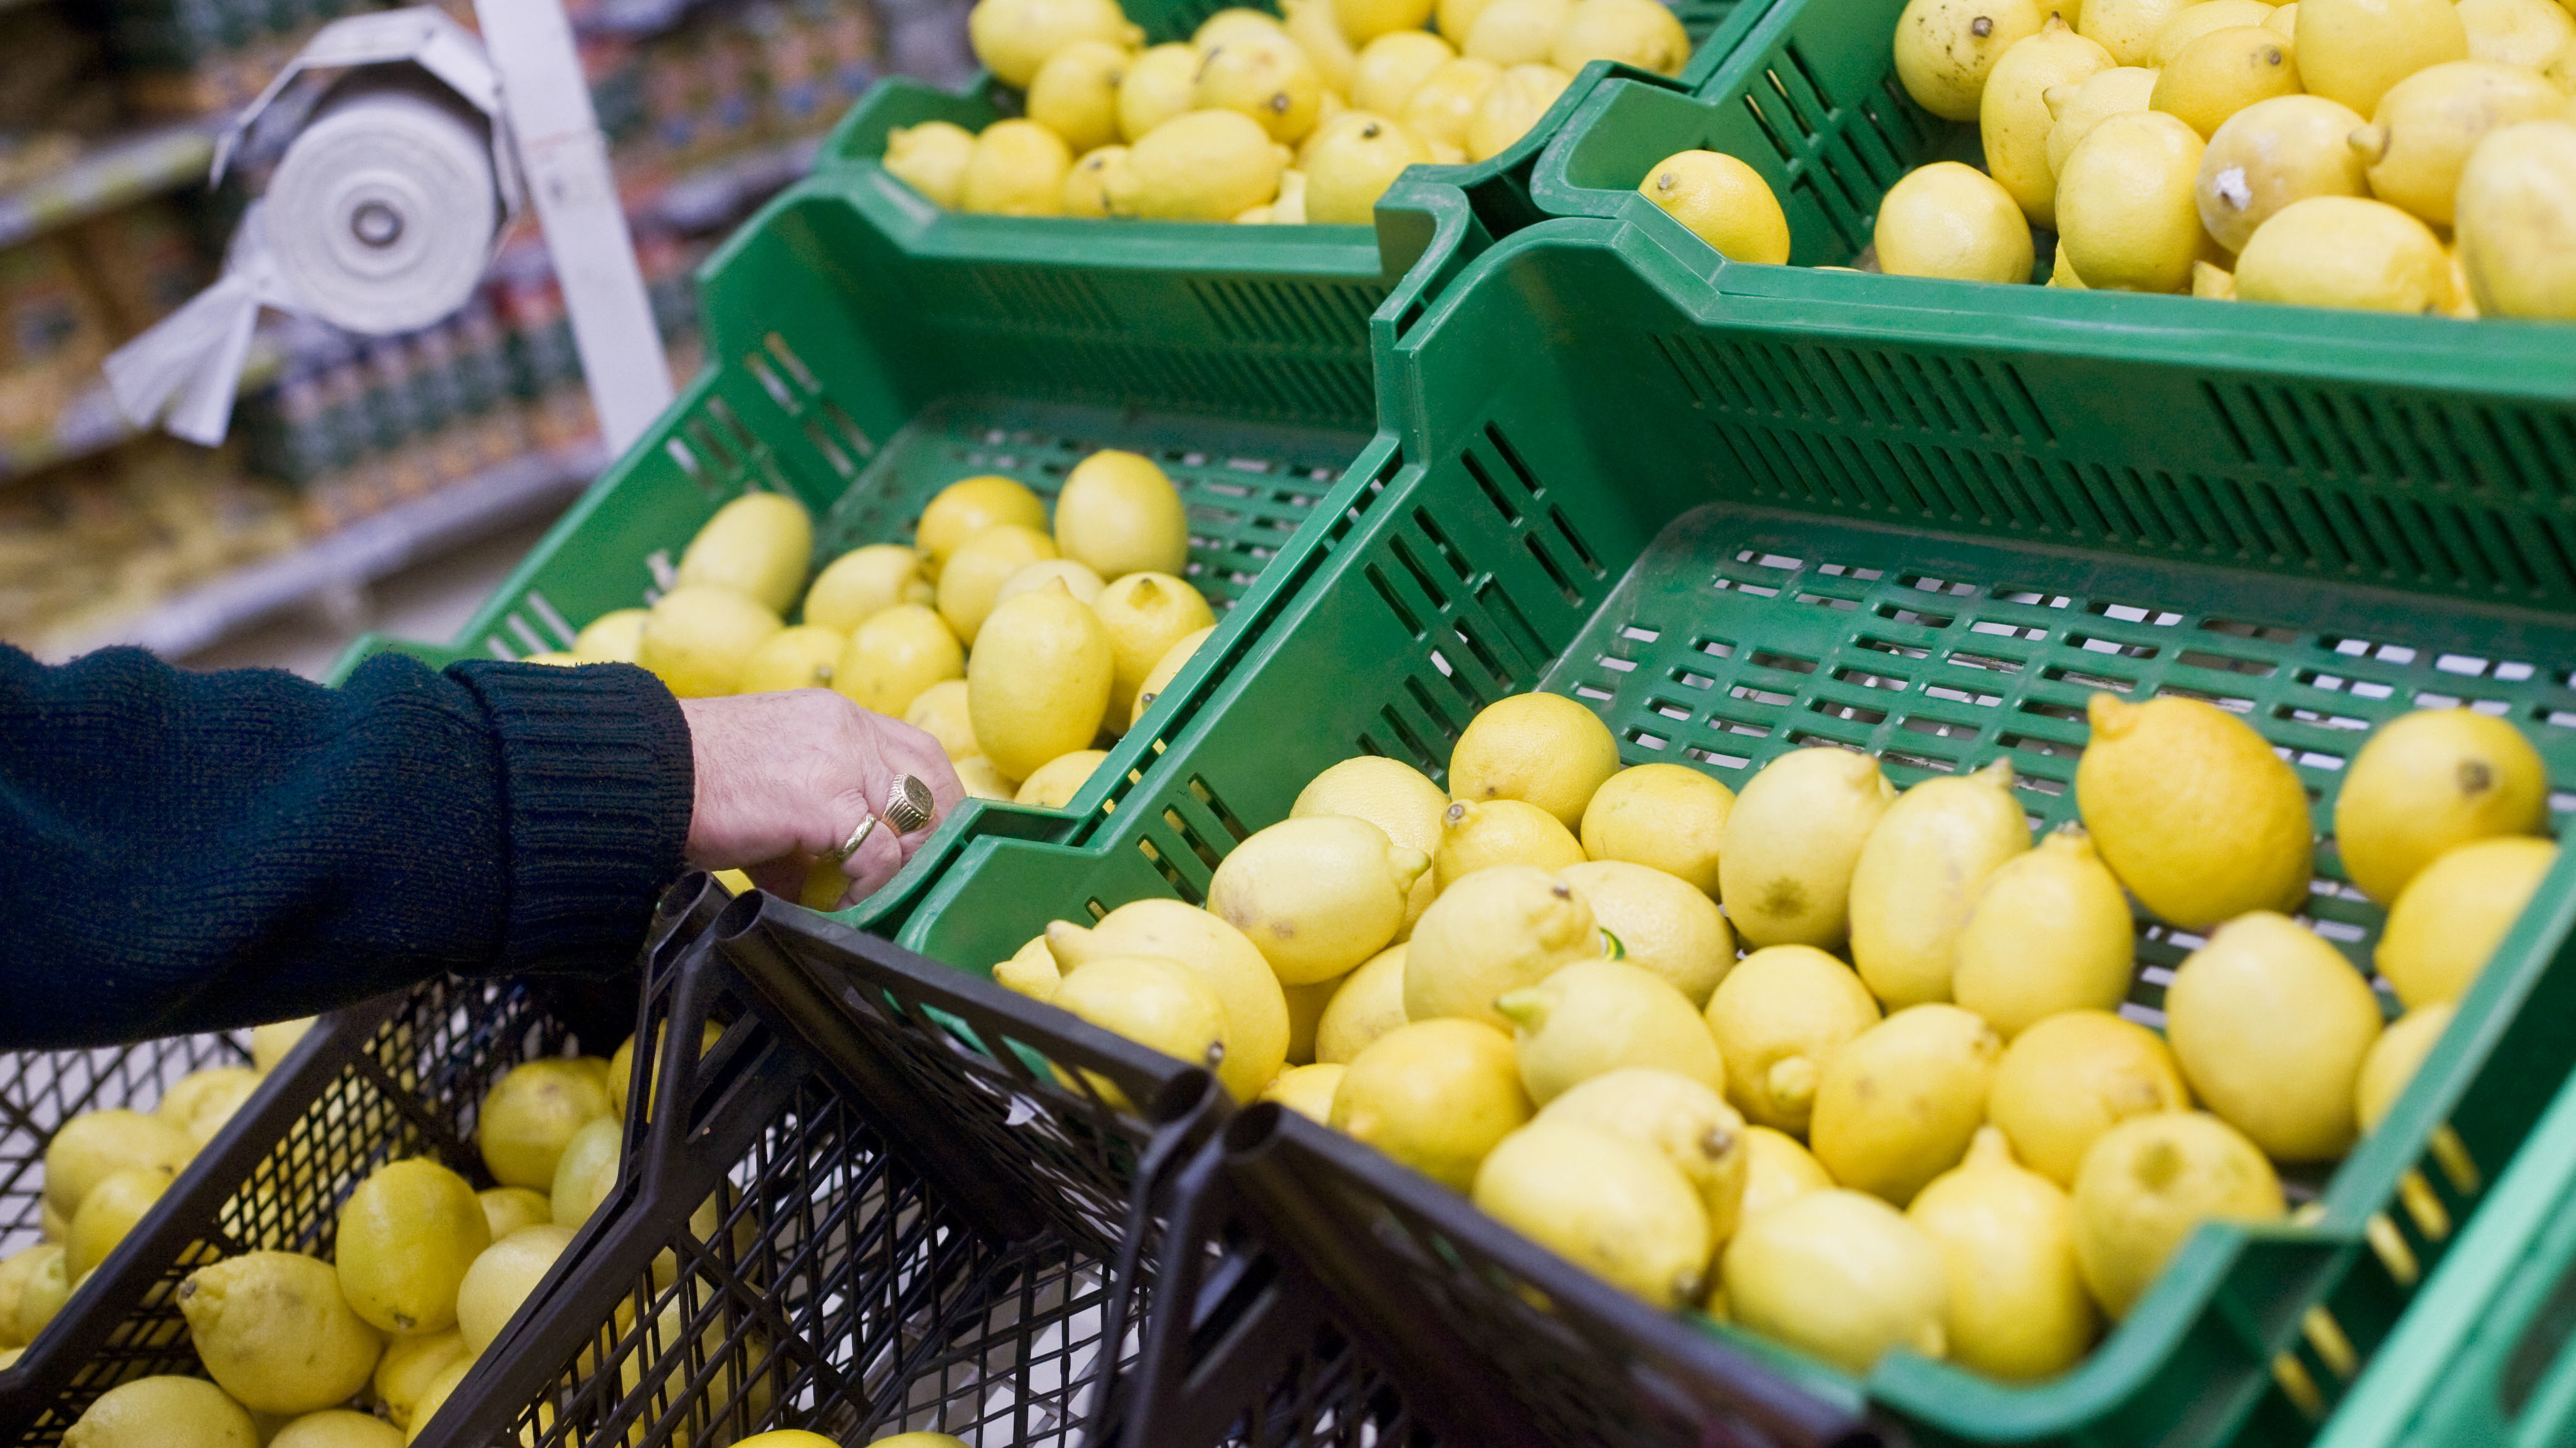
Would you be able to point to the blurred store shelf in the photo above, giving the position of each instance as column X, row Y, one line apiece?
column 723, row 191
column 117, row 173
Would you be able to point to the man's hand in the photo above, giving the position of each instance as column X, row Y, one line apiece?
column 785, row 777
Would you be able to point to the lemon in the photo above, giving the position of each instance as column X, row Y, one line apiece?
column 273, row 1330
column 2129, row 28
column 1166, row 668
column 163, row 1412
column 615, row 637
column 2353, row 51
column 1366, row 20
column 15, row 1274
column 2284, row 20
column 204, row 1100
column 1920, row 871
column 1777, row 1169
column 2067, row 1079
column 94, row 1145
column 698, row 636
column 1778, row 1019
column 2013, row 118
column 940, row 712
column 1440, row 107
column 406, row 1236
column 1667, row 817
column 970, row 585
column 1840, row 1275
column 1662, row 925
column 2147, row 1182
column 2451, row 917
column 757, row 545
column 1597, row 1016
column 586, row 1173
column 48, row 1286
column 1454, row 19
column 2050, row 933
column 2126, row 216
column 2223, row 72
column 2344, row 251
column 1088, row 184
column 2200, row 18
column 1368, row 1004
column 1259, row 72
column 1256, row 1011
column 1232, row 21
column 1478, row 836
column 1393, row 796
column 1312, row 25
column 1691, row 1125
column 2212, row 283
column 111, row 1210
column 408, row 1365
column 896, row 656
column 2018, row 1309
column 1542, row 748
column 2420, row 138
column 2192, row 810
column 1898, row 1103
column 1307, row 1090
column 2270, row 1024
column 982, row 779
column 2522, row 33
column 338, row 1428
column 2517, row 215
column 532, row 1111
column 1013, row 38
column 1078, row 580
column 799, row 657
column 1951, row 220
column 1514, row 103
column 1031, row 971
column 1436, row 1095
column 1200, row 166
column 1387, row 70
column 2062, row 273
column 1792, row 841
column 2430, row 780
column 500, row 1278
column 1514, row 32
column 434, row 1395
column 1317, row 896
column 1145, row 614
column 864, row 582
column 1723, row 202
column 1491, row 932
column 1612, row 1205
column 1056, row 782
column 1354, row 159
column 1160, row 84
column 621, row 1071
column 1120, row 514
column 1642, row 33
column 2395, row 1058
column 1075, row 93
column 1306, row 1005
column 1944, row 48
column 967, row 507
column 930, row 158
column 2270, row 154
column 798, row 1438
column 2078, row 107
column 1038, row 686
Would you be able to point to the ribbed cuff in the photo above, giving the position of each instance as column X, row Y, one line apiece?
column 598, row 784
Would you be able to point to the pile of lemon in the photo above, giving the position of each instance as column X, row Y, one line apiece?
column 1304, row 117
column 426, row 1270
column 2389, row 155
column 1912, row 1114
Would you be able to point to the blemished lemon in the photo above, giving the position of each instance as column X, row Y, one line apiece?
column 1312, row 25
column 1662, row 924
column 2430, row 780
column 1690, row 1124
column 408, row 1365
column 1920, row 872
column 163, row 1412
column 1898, row 1103
column 48, row 1286
column 1596, row 1016
column 2067, row 1079
column 1200, row 166
column 1120, row 514
column 1038, row 684
column 1388, row 68
column 1031, row 971
column 1951, row 220
column 2517, row 213
column 2525, row 33
column 1612, row 1205
column 2223, row 72
column 698, row 636
column 2126, row 216
column 2013, row 118
column 1317, row 896
column 1543, row 748
column 756, row 545
column 970, row 584
column 586, row 1173
column 896, row 656
column 1257, row 71
column 1779, row 1018
column 2200, row 18
column 2018, row 1309
column 1391, row 795
column 1078, row 579
column 1366, row 20
column 1255, row 1008
column 2050, row 933
column 612, row 638
column 2420, row 137
column 108, row 1213
column 1165, row 669
column 1368, row 1004
column 1436, row 1095
column 2084, row 104
column 1056, row 782
column 274, row 1332
column 434, row 1395
column 801, row 656
column 93, row 1145
column 338, row 1428
column 2353, row 51
column 1944, row 48
column 501, row 1278
column 931, row 159
column 1723, row 202
column 1480, row 835
column 1016, row 169
column 2149, row 1181
column 1509, row 107
column 1087, row 186
column 1440, row 107
column 532, row 1111
column 1792, row 840
column 2452, row 915
column 2273, row 153
column 1667, row 817
column 406, row 1236
column 1354, row 158
column 507, row 1209
column 1160, row 84
column 1013, row 38
column 2270, row 1024
column 1075, row 94
column 967, row 507
column 1307, row 1090
column 940, row 712
column 1641, row 33
column 2192, row 810
column 1490, row 932
column 2129, row 28
column 1777, row 1168
column 2345, row 251
column 1515, row 32
column 1145, row 614
column 2395, row 1058
column 1841, row 1275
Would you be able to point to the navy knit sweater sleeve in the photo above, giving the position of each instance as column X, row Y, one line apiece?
column 189, row 852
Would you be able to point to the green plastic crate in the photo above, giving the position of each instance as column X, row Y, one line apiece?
column 1572, row 512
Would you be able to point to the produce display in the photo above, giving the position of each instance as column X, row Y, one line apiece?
column 1303, row 117
column 2414, row 157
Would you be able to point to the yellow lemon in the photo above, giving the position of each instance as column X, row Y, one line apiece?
column 2353, row 51
column 1598, row 1016
column 1543, row 748
column 1366, row 20
column 1609, row 1204
column 1478, row 836
column 1166, row 668
column 1088, row 185
column 940, row 712
column 614, row 637
column 1200, row 166
column 1013, row 38
column 1038, row 686
column 1661, row 924
column 895, row 656
column 2073, row 1076
column 1840, row 1275
column 500, row 1279
column 1454, row 19
column 1031, row 971
column 18, row 1271
column 2344, row 251
column 1951, row 220
column 2451, row 917
column 1690, row 1124
column 1393, row 796
column 1058, row 780
column 697, row 638
column 2271, row 154
column 2129, row 28
column 2051, row 932
column 798, row 657
column 1436, row 1095
column 199, row 1091
column 2270, row 1024
column 2149, row 1181
column 970, row 584
column 1641, row 33
column 1160, row 84
column 1898, row 1103
column 2517, row 213
column 1261, row 73
column 1440, row 107
column 2013, row 118
column 532, row 1111
column 2223, row 72
column 48, row 1286
column 757, row 545
column 2078, row 107
column 2395, row 1058
column 1312, row 25
column 1514, row 32
column 1944, row 49
column 621, row 1072
column 1723, row 202
column 1388, row 69
column 1667, row 817
column 2200, row 18
column 1159, row 1004
column 1368, row 1004
column 1514, row 103
column 406, row 1236
column 274, row 1332
column 507, row 1209
column 1317, row 896
column 1307, row 1090
column 1075, row 93
column 1777, row 1169
column 931, row 159
column 434, row 1395
column 864, row 582
column 965, row 508
column 94, row 1145
column 1792, row 841
column 586, row 1173
column 2420, row 138
column 1145, row 614
column 1779, row 1018
column 1256, row 1010
column 981, row 779
column 1491, row 932
column 2430, row 780
column 112, row 1209
column 408, row 1365
column 2126, row 216
column 1078, row 580
column 1120, row 514
column 1306, row 1005
column 338, row 1428
column 2018, row 1309
column 2525, row 33
column 1355, row 157
column 2192, row 810
column 1232, row 21
column 163, row 1412
column 1921, row 870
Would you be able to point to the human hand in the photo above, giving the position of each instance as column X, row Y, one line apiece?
column 782, row 778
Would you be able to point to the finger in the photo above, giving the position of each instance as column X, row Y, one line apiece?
column 917, row 754
column 879, row 858
column 783, row 877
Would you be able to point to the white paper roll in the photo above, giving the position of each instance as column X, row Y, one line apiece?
column 381, row 216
